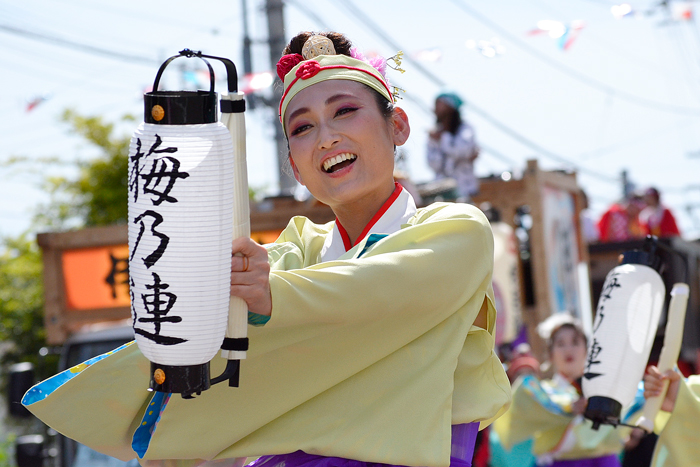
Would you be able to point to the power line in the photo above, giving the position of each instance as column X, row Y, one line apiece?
column 647, row 135
column 476, row 109
column 308, row 12
column 78, row 46
column 497, row 154
column 588, row 81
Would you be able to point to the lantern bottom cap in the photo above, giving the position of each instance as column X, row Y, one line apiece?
column 186, row 380
column 603, row 410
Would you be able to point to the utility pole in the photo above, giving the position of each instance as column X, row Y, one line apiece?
column 276, row 42
column 627, row 185
column 247, row 59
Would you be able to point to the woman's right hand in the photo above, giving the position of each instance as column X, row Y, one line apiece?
column 654, row 384
column 250, row 275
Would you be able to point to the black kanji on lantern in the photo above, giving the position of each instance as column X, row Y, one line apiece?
column 137, row 165
column 610, row 285
column 157, row 305
column 156, row 254
column 593, row 359
column 165, row 171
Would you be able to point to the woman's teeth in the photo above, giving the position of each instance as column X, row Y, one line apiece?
column 333, row 161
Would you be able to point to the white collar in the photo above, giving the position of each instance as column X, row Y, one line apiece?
column 396, row 214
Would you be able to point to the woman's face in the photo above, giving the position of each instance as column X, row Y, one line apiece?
column 443, row 111
column 341, row 146
column 569, row 353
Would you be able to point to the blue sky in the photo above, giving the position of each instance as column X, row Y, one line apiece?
column 625, row 95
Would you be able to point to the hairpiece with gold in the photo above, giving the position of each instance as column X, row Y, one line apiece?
column 397, row 62
column 319, row 61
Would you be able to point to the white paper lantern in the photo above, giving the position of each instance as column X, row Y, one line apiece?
column 623, row 332
column 181, row 214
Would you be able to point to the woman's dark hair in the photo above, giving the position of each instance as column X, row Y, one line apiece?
column 341, row 43
column 454, row 122
column 342, row 47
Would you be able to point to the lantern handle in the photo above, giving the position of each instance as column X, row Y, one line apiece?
column 231, row 73
column 184, row 53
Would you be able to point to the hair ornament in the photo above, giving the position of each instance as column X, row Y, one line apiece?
column 317, row 45
column 397, row 62
column 395, row 90
column 356, row 54
column 286, row 63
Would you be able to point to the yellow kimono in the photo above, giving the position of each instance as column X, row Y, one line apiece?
column 372, row 357
column 679, row 441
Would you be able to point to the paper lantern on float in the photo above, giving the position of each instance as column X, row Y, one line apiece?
column 626, row 319
column 182, row 189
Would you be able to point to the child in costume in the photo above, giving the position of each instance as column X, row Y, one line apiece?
column 519, row 455
column 678, row 421
column 550, row 411
column 373, row 334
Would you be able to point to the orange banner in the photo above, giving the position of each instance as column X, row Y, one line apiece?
column 99, row 277
column 96, row 277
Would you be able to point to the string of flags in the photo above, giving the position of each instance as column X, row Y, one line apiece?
column 678, row 11
column 488, row 48
column 564, row 34
column 34, row 102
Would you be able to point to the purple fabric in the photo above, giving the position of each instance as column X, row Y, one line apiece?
column 463, row 439
column 605, row 461
column 521, row 338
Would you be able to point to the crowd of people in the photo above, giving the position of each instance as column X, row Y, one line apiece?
column 544, row 425
column 452, row 151
column 636, row 216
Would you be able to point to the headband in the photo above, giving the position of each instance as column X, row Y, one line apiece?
column 298, row 74
column 451, row 99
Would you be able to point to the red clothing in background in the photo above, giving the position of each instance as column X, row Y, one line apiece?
column 659, row 221
column 615, row 225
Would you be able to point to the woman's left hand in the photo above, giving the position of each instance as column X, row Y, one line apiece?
column 250, row 275
column 654, row 385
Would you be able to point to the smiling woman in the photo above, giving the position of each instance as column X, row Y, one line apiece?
column 372, row 336
column 342, row 149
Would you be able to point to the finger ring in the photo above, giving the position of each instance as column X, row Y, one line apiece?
column 245, row 263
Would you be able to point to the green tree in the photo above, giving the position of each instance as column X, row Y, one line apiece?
column 21, row 304
column 98, row 196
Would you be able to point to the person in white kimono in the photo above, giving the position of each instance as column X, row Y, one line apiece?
column 452, row 147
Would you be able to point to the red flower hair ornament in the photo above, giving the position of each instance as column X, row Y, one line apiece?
column 308, row 69
column 286, row 63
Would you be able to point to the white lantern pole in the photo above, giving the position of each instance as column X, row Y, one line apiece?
column 235, row 343
column 238, row 309
column 626, row 320
column 669, row 352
